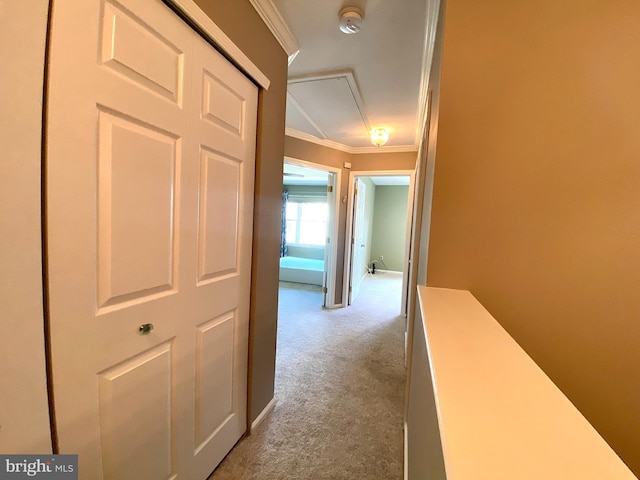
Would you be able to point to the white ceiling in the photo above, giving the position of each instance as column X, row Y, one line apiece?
column 390, row 180
column 297, row 175
column 340, row 86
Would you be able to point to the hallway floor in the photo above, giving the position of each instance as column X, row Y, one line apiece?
column 340, row 381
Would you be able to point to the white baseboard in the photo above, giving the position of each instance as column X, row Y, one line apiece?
column 335, row 305
column 406, row 452
column 256, row 423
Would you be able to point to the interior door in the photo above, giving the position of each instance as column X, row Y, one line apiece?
column 328, row 248
column 149, row 193
column 411, row 201
column 359, row 239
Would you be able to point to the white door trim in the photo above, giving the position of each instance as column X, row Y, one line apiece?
column 332, row 231
column 348, row 231
column 213, row 33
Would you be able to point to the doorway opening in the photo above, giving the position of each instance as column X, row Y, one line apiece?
column 379, row 214
column 308, row 249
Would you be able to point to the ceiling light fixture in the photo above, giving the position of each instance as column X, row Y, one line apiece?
column 350, row 20
column 379, row 136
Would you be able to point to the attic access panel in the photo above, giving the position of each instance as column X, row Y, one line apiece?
column 328, row 107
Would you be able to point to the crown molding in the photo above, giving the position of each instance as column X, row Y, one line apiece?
column 346, row 148
column 433, row 9
column 274, row 21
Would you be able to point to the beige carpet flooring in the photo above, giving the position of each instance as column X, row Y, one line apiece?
column 339, row 391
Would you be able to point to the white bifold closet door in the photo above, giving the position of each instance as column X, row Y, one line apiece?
column 149, row 195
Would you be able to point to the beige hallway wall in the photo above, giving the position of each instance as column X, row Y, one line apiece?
column 536, row 200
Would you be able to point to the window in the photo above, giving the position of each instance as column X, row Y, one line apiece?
column 306, row 223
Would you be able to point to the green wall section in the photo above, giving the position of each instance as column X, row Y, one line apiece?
column 390, row 226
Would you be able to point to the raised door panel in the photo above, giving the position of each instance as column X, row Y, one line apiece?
column 138, row 392
column 221, row 105
column 140, row 54
column 214, row 376
column 218, row 217
column 137, row 191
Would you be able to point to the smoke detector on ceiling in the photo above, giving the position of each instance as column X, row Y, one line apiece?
column 350, row 20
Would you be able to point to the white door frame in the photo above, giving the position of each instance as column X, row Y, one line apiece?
column 349, row 234
column 331, row 249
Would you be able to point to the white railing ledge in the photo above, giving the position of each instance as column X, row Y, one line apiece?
column 499, row 415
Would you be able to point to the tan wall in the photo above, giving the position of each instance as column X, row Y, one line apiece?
column 24, row 409
column 310, row 152
column 536, row 197
column 383, row 161
column 257, row 42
